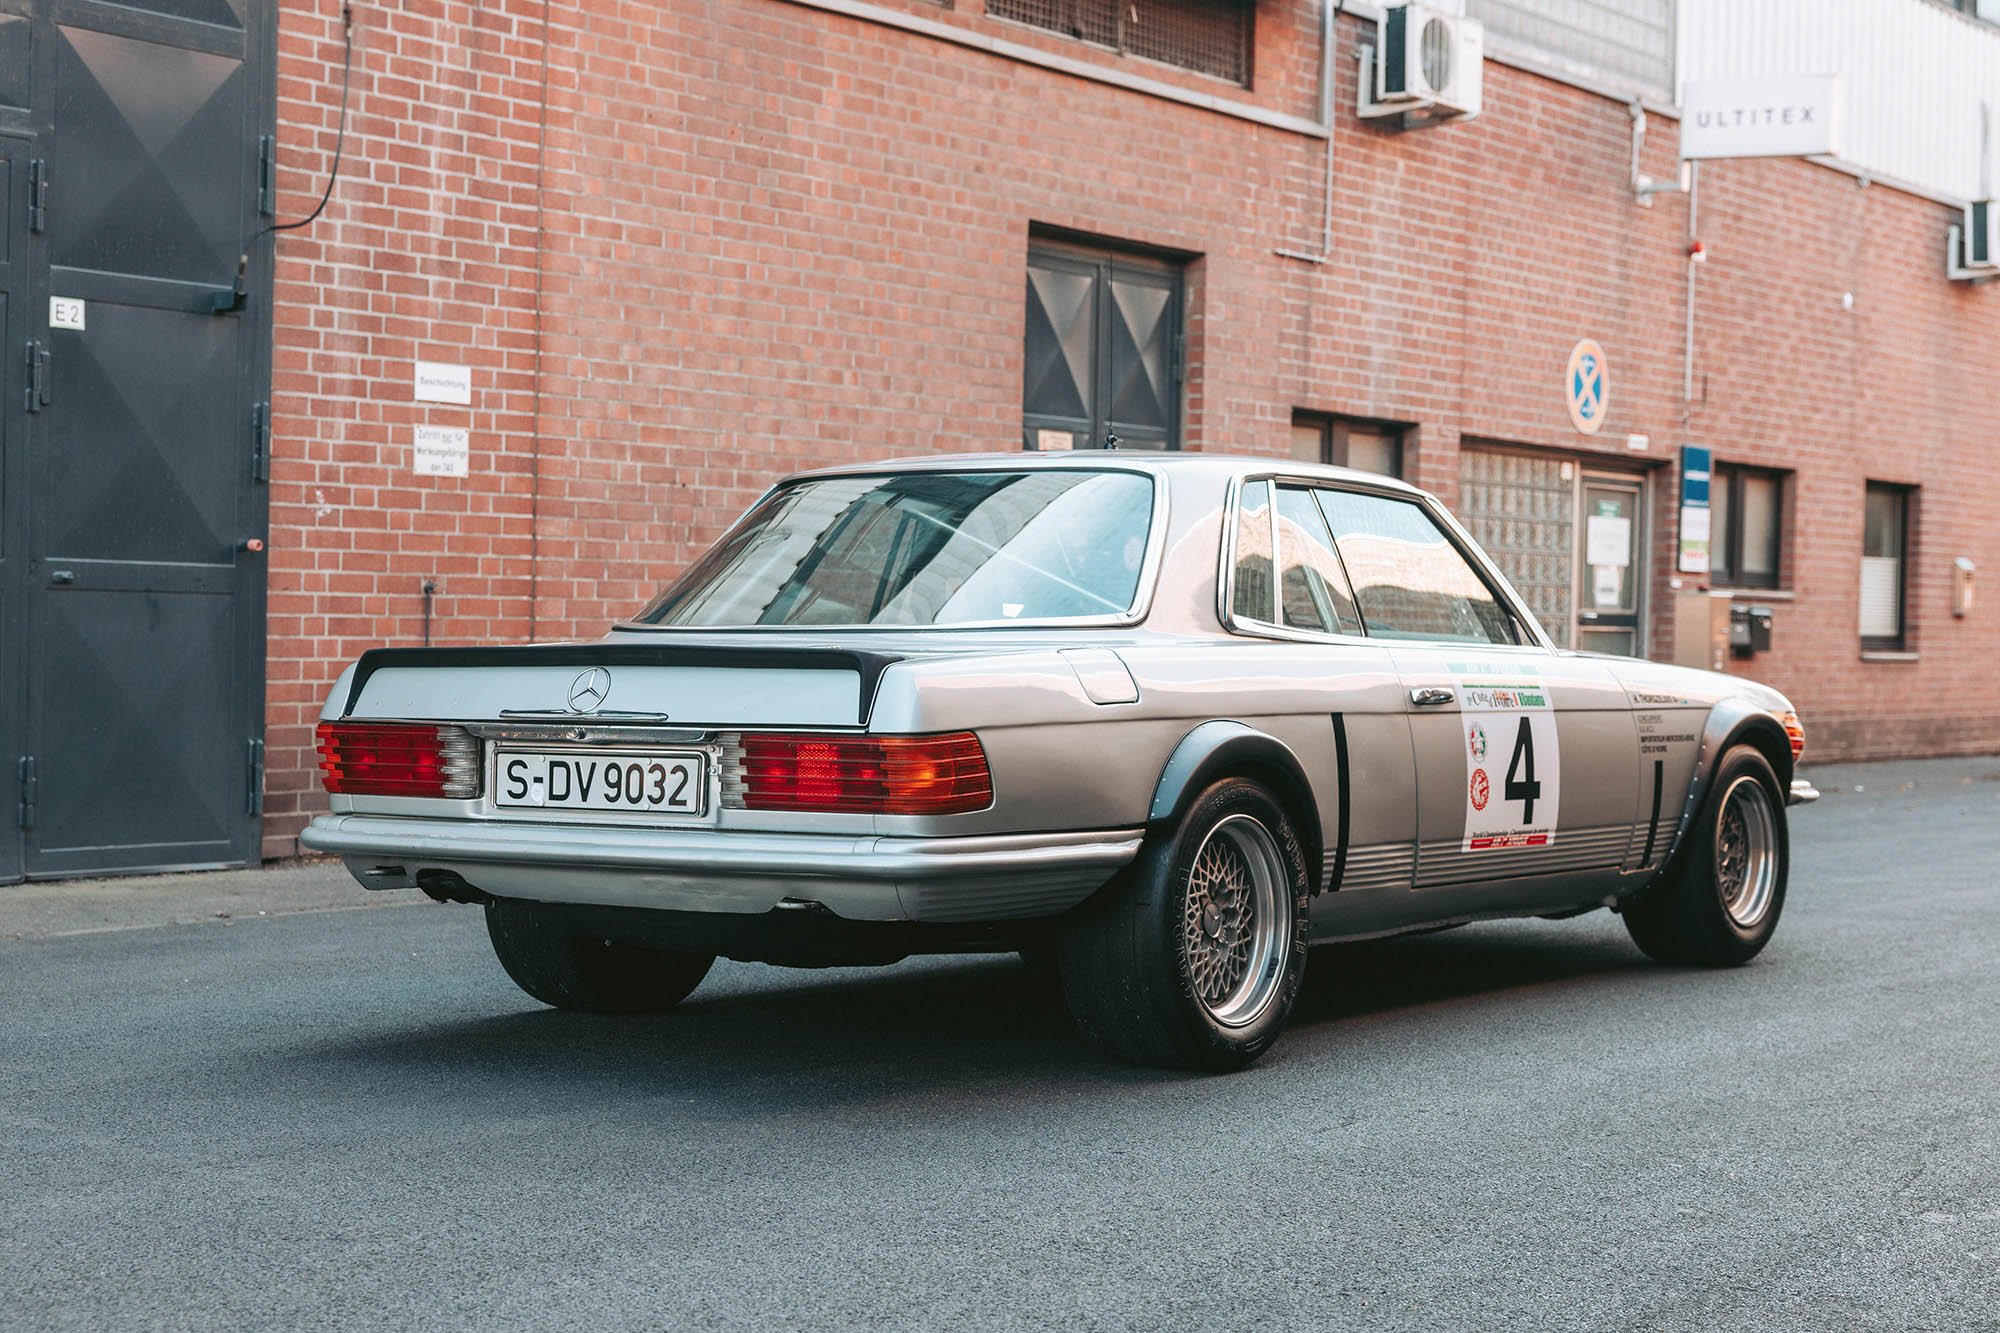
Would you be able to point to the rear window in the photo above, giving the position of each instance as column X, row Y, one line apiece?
column 925, row 548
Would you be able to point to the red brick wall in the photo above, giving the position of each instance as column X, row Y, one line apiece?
column 743, row 236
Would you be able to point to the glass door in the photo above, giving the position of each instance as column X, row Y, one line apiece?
column 1610, row 574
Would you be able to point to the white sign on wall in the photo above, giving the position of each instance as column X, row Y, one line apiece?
column 438, row 382
column 442, row 451
column 1795, row 117
column 65, row 312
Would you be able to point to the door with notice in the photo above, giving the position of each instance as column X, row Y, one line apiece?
column 1611, row 569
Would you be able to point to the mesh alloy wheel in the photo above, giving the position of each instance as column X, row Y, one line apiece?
column 1746, row 858
column 1235, row 917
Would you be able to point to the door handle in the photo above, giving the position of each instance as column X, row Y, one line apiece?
column 1430, row 696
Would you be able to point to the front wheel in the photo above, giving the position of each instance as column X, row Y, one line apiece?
column 567, row 969
column 1194, row 958
column 1718, row 903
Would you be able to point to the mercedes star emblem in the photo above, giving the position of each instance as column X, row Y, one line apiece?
column 589, row 690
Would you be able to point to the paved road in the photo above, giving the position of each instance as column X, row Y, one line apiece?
column 352, row 1119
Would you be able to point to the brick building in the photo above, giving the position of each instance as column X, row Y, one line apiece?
column 678, row 249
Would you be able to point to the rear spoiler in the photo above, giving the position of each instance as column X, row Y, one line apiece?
column 869, row 665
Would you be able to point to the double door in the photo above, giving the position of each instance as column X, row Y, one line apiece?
column 133, row 446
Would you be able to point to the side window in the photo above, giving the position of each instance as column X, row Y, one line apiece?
column 1409, row 581
column 1312, row 591
column 1251, row 599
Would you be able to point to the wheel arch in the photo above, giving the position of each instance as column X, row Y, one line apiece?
column 1732, row 723
column 1229, row 749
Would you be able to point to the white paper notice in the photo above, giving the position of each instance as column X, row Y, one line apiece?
column 1608, row 541
column 1607, row 581
column 442, row 451
column 1046, row 440
column 441, row 383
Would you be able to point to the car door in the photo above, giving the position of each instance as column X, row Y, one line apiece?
column 1524, row 756
column 1369, row 811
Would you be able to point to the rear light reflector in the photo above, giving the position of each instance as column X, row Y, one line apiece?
column 398, row 759
column 1796, row 734
column 869, row 775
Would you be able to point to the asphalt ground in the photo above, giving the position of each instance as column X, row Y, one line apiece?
column 350, row 1118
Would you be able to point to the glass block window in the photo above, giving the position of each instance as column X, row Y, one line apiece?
column 1207, row 36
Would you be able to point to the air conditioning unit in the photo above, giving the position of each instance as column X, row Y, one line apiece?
column 1428, row 66
column 1982, row 235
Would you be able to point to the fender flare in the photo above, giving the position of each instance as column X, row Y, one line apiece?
column 1731, row 722
column 1224, row 748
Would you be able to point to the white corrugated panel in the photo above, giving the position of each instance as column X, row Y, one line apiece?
column 1913, row 77
column 1881, row 595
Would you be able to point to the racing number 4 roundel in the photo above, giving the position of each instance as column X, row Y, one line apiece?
column 1513, row 767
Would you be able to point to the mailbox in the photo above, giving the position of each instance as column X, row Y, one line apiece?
column 1749, row 630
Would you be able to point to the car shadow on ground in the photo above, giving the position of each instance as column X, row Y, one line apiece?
column 943, row 1027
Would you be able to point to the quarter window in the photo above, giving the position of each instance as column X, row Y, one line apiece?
column 1747, row 520
column 1884, row 566
column 1410, row 581
column 1251, row 597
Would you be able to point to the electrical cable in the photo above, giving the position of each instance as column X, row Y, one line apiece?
column 232, row 300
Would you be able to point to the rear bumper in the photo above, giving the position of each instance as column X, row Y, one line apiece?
column 990, row 878
column 1802, row 793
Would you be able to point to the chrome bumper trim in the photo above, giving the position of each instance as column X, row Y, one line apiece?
column 864, row 878
column 1803, row 793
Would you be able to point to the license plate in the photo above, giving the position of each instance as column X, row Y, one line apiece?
column 636, row 782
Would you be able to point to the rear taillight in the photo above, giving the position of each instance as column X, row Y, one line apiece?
column 1796, row 734
column 398, row 759
column 869, row 775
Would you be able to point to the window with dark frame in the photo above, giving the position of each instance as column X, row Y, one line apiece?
column 1885, row 566
column 1746, row 526
column 1369, row 446
column 1212, row 37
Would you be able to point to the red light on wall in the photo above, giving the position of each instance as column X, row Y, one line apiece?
column 875, row 775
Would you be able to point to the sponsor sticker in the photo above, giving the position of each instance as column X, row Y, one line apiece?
column 1513, row 781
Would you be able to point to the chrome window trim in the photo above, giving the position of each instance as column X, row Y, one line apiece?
column 1460, row 539
column 1136, row 613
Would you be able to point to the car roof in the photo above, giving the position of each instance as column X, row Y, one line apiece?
column 1120, row 459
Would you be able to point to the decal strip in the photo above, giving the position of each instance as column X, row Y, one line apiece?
column 1339, row 871
column 1653, row 829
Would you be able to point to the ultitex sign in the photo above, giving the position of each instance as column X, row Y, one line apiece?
column 1797, row 117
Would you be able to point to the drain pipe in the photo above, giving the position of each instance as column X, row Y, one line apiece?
column 1687, row 337
column 1329, row 14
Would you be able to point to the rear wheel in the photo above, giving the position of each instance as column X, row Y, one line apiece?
column 566, row 969
column 1194, row 959
column 1719, row 902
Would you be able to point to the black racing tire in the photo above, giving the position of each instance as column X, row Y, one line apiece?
column 1186, row 970
column 565, row 969
column 1718, row 902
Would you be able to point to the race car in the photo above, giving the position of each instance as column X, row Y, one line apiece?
column 1162, row 722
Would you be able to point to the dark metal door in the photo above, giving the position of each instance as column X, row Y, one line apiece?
column 1102, row 361
column 15, row 299
column 145, row 470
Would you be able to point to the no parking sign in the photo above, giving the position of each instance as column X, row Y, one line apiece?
column 1587, row 386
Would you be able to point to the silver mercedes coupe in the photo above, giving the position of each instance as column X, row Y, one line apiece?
column 1161, row 723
